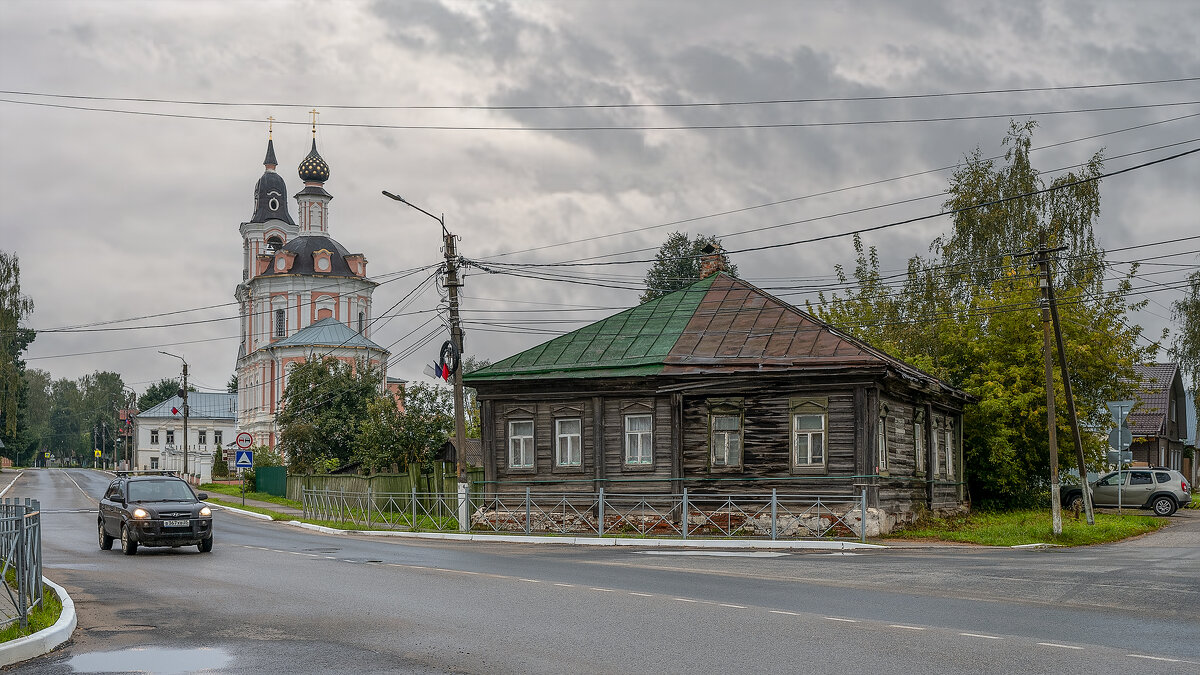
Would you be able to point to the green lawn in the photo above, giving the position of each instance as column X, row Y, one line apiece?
column 235, row 491
column 40, row 619
column 1014, row 528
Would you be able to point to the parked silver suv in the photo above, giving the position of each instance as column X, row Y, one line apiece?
column 1158, row 488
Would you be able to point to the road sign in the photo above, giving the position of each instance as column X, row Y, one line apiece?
column 46, row 454
column 1122, row 441
column 1115, row 458
column 97, row 453
column 244, row 440
column 245, row 459
column 1120, row 409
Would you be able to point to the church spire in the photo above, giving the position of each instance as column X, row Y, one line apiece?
column 270, row 161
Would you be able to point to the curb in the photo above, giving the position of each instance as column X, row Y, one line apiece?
column 598, row 541
column 12, row 482
column 43, row 641
column 252, row 514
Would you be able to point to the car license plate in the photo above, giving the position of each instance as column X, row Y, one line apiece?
column 176, row 523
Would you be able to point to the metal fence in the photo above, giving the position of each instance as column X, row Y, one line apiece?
column 21, row 548
column 685, row 515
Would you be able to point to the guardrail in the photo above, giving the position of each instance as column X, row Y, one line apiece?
column 685, row 515
column 21, row 568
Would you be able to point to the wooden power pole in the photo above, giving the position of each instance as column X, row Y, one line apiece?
column 1043, row 261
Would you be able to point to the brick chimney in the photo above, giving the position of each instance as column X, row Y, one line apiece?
column 712, row 262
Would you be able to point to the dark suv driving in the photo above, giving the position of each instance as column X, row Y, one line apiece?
column 153, row 509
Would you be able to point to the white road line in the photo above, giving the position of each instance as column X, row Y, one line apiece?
column 834, row 618
column 647, row 595
column 85, row 494
column 986, row 637
column 573, row 585
column 1054, row 644
column 900, row 625
column 1153, row 658
column 604, row 590
column 780, row 611
column 722, row 604
column 685, row 600
column 532, row 581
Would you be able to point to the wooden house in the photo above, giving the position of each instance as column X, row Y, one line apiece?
column 1158, row 422
column 721, row 388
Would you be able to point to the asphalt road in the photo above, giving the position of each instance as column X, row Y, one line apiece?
column 276, row 598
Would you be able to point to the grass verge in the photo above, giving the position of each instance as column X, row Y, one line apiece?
column 41, row 618
column 1014, row 528
column 234, row 491
column 275, row 515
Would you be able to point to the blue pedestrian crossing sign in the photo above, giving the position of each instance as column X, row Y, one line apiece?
column 244, row 460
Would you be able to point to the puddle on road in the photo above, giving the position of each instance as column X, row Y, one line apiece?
column 164, row 660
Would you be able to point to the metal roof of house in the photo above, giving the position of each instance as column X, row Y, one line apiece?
column 1154, row 392
column 201, row 405
column 718, row 324
column 328, row 332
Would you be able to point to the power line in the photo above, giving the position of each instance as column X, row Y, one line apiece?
column 593, row 106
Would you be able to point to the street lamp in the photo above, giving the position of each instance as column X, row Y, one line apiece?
column 184, row 393
column 456, row 337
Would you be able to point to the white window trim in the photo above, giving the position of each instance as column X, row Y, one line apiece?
column 949, row 451
column 797, row 432
column 643, row 454
column 919, row 445
column 169, row 437
column 154, row 437
column 726, row 434
column 881, row 442
column 574, row 450
column 524, row 447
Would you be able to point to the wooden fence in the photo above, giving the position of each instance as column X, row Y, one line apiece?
column 441, row 479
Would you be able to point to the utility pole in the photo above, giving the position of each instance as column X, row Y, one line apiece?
column 1062, row 364
column 453, row 283
column 1043, row 261
column 185, row 421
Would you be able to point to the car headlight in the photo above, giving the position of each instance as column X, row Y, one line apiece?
column 140, row 513
column 205, row 511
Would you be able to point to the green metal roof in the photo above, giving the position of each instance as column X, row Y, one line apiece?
column 328, row 332
column 633, row 342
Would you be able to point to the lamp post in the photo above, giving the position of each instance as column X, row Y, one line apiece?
column 183, row 392
column 456, row 336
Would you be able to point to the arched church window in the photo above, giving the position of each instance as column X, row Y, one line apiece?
column 273, row 243
column 362, row 322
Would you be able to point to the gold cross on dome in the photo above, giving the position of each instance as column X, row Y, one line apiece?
column 270, row 126
column 314, row 114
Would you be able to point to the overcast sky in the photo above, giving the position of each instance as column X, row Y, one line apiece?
column 117, row 215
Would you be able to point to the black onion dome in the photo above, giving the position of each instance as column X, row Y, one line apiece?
column 314, row 169
column 270, row 199
column 304, row 247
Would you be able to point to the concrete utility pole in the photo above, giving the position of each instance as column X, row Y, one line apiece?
column 1043, row 262
column 453, row 283
column 1062, row 365
column 183, row 393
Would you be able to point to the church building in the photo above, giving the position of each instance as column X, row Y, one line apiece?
column 302, row 294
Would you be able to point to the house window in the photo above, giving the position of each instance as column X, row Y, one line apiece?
column 808, row 440
column 726, row 441
column 949, row 450
column 638, row 446
column 881, row 441
column 568, row 435
column 937, row 462
column 217, row 438
column 202, row 437
column 154, row 437
column 280, row 323
column 170, row 437
column 520, row 444
column 154, row 463
column 919, row 441
column 362, row 322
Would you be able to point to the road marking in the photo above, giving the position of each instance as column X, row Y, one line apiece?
column 1054, row 644
column 722, row 604
column 1153, row 658
column 565, row 585
column 641, row 595
column 85, row 494
column 685, row 600
column 720, row 554
column 780, row 611
column 834, row 618
column 900, row 625
column 604, row 590
column 532, row 581
column 986, row 637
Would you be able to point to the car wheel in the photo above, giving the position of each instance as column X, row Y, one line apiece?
column 1163, row 506
column 106, row 541
column 205, row 545
column 1075, row 503
column 128, row 545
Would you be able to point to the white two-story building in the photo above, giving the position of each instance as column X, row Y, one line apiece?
column 212, row 425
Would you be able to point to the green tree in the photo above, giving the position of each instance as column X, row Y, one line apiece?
column 1185, row 348
column 158, row 392
column 677, row 264
column 391, row 435
column 14, row 308
column 324, row 404
column 972, row 318
column 232, row 386
column 36, row 415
